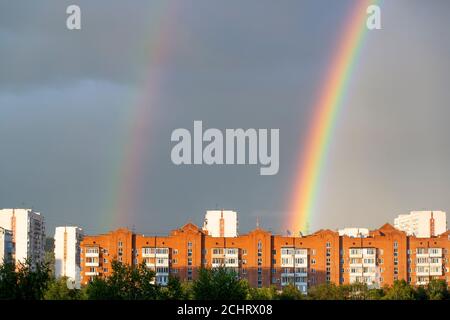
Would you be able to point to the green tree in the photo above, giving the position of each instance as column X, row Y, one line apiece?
column 375, row 294
column 219, row 284
column 174, row 290
column 26, row 282
column 327, row 291
column 57, row 289
column 421, row 293
column 266, row 293
column 291, row 292
column 98, row 289
column 125, row 283
column 400, row 290
column 437, row 290
column 354, row 291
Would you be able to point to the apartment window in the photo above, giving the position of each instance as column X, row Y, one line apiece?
column 244, row 271
column 105, row 270
column 244, row 252
column 189, row 261
column 259, row 244
column 175, row 251
column 313, row 261
column 174, row 261
column 274, row 261
column 105, row 260
column 313, row 252
column 274, row 252
column 205, row 251
column 328, row 245
column 274, row 280
column 395, row 244
column 189, row 253
column 189, row 244
column 274, row 270
column 120, row 244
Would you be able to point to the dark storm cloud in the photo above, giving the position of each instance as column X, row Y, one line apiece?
column 67, row 99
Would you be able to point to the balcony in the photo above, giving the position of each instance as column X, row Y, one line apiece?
column 91, row 254
column 89, row 273
column 91, row 264
column 287, row 265
column 301, row 274
column 356, row 255
column 436, row 254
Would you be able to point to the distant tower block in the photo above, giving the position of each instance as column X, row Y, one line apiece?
column 422, row 224
column 221, row 223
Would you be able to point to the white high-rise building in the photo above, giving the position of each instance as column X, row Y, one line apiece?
column 422, row 224
column 67, row 253
column 6, row 246
column 354, row 232
column 28, row 233
column 221, row 223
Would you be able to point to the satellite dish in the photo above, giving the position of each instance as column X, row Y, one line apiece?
column 70, row 284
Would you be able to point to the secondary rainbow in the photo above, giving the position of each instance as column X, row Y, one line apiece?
column 138, row 119
column 329, row 103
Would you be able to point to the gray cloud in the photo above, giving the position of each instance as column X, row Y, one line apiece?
column 67, row 99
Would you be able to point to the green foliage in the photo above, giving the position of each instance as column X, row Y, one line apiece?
column 290, row 292
column 125, row 283
column 400, row 290
column 174, row 290
column 219, row 284
column 437, row 290
column 354, row 291
column 327, row 291
column 58, row 290
column 266, row 293
column 26, row 283
column 138, row 283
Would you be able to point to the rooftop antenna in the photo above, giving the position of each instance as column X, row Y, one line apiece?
column 257, row 222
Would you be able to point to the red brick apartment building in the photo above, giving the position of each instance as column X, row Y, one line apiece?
column 264, row 259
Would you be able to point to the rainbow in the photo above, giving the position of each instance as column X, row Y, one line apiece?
column 326, row 111
column 138, row 119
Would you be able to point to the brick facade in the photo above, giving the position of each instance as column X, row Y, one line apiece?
column 264, row 259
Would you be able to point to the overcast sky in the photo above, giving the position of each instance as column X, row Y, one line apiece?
column 70, row 103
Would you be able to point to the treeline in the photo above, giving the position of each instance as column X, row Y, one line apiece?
column 137, row 283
